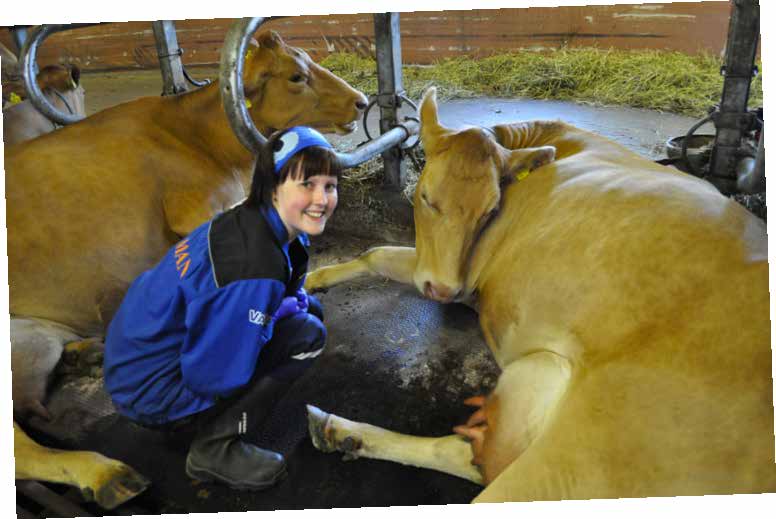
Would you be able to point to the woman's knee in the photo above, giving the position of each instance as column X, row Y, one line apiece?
column 314, row 307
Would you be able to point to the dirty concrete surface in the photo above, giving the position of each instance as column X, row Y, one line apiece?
column 393, row 358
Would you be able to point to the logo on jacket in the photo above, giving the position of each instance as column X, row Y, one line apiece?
column 182, row 259
column 257, row 317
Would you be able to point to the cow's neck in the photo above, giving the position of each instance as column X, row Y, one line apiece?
column 205, row 125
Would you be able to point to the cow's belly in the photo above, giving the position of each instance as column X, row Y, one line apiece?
column 652, row 436
column 73, row 266
column 679, row 404
column 633, row 431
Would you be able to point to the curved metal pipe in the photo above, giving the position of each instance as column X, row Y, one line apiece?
column 233, row 99
column 387, row 140
column 27, row 59
column 690, row 166
column 231, row 82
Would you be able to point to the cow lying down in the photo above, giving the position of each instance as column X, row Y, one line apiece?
column 625, row 302
column 61, row 86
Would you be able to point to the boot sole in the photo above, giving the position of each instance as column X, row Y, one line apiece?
column 207, row 476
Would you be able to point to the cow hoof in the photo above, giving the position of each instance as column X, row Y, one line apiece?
column 82, row 358
column 317, row 421
column 122, row 486
column 316, row 282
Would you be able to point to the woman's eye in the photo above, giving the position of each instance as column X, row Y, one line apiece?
column 331, row 187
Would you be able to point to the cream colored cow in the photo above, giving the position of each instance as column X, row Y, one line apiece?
column 626, row 304
column 93, row 205
column 61, row 86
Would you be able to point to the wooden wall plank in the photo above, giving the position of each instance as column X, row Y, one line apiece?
column 426, row 36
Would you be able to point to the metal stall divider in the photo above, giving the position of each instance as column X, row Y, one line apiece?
column 233, row 98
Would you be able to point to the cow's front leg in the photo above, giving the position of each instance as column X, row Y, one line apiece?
column 449, row 454
column 104, row 480
column 394, row 263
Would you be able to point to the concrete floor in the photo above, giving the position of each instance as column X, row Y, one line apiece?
column 392, row 359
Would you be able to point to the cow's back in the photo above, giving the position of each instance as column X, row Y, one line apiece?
column 86, row 210
column 657, row 287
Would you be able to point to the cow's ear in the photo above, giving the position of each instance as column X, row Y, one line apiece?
column 523, row 161
column 75, row 75
column 430, row 129
column 270, row 40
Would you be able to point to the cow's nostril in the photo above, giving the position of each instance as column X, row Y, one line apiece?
column 361, row 104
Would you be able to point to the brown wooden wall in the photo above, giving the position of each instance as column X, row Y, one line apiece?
column 426, row 36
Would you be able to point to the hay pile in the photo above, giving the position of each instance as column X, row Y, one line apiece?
column 658, row 80
column 665, row 81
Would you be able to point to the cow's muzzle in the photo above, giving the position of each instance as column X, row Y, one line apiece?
column 440, row 292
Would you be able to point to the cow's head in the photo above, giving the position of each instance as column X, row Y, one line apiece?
column 458, row 193
column 285, row 88
column 66, row 81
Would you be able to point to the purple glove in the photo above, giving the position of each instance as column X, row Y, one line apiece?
column 301, row 297
column 289, row 306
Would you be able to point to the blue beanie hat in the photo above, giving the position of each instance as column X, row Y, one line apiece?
column 294, row 140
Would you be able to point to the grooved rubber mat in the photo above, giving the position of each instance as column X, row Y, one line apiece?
column 392, row 359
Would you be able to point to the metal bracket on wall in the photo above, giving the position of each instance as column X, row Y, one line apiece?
column 742, row 121
column 743, row 37
column 169, row 53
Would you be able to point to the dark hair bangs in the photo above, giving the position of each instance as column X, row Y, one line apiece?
column 314, row 160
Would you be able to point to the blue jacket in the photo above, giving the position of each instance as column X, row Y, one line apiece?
column 190, row 330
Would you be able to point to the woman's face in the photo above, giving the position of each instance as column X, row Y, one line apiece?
column 305, row 205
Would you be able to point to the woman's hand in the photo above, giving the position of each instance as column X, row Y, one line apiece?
column 292, row 305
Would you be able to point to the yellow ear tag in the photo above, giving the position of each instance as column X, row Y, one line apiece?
column 523, row 174
column 248, row 103
column 249, row 54
column 14, row 98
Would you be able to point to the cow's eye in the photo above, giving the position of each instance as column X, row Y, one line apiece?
column 296, row 78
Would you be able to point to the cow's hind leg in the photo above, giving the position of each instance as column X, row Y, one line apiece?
column 450, row 454
column 104, row 480
column 36, row 347
column 395, row 263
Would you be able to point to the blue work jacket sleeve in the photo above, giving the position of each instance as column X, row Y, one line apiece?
column 225, row 331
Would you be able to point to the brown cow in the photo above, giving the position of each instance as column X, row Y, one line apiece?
column 626, row 303
column 61, row 86
column 93, row 205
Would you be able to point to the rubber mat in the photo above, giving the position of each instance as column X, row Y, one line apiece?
column 392, row 359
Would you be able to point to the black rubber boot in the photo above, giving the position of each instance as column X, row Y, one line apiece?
column 219, row 454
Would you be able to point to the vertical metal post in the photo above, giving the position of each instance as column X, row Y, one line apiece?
column 169, row 57
column 389, row 86
column 732, row 120
column 19, row 36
